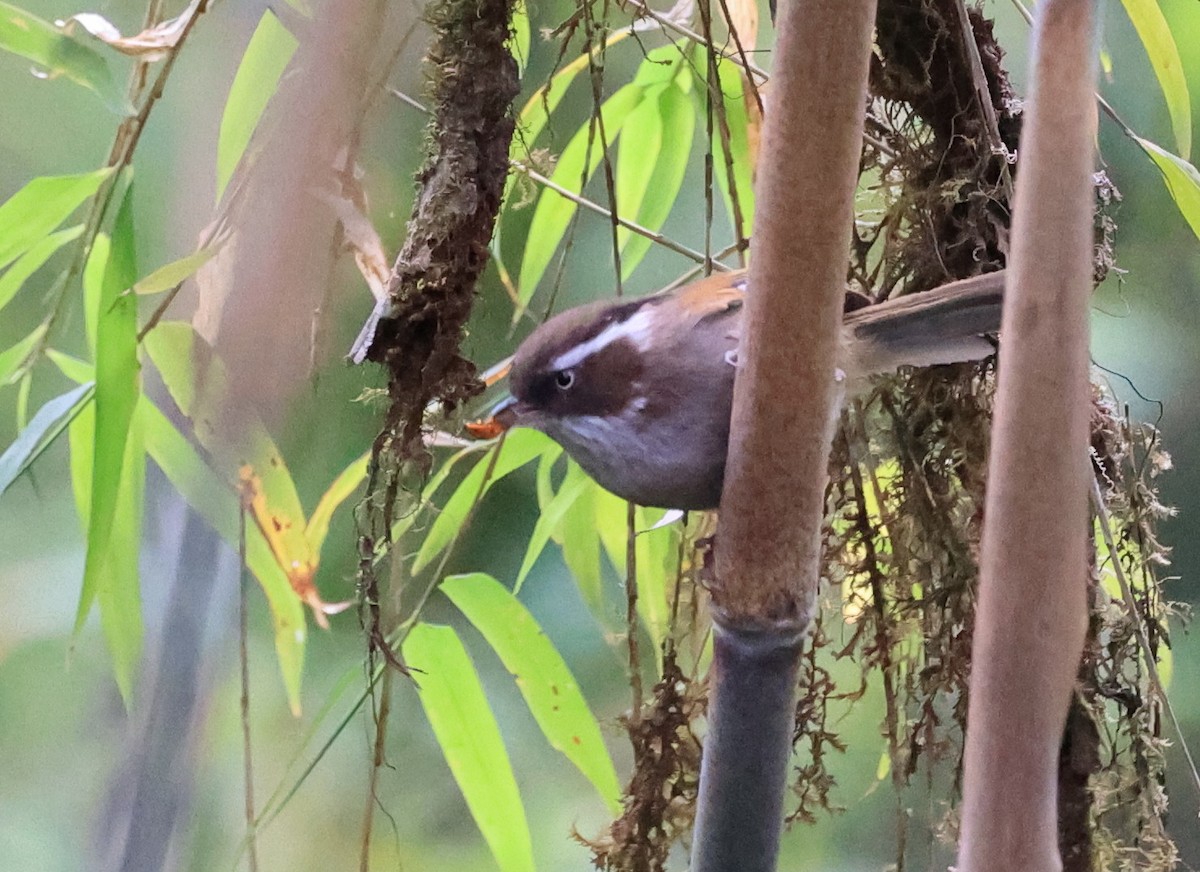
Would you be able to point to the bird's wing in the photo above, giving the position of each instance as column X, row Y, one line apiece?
column 715, row 295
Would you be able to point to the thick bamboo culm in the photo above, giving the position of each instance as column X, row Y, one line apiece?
column 1032, row 602
column 785, row 404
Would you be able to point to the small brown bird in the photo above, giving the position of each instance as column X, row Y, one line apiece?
column 639, row 392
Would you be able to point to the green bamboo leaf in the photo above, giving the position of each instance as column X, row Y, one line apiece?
column 169, row 275
column 549, row 688
column 57, row 54
column 518, row 448
column 12, row 360
column 108, row 573
column 118, row 592
column 1182, row 179
column 553, row 213
column 551, row 519
column 677, row 124
column 342, row 488
column 657, row 550
column 76, row 370
column 1155, row 33
column 581, row 550
column 266, row 57
column 466, row 731
column 46, row 426
column 739, row 144
column 535, row 114
column 93, row 285
column 32, row 260
column 40, row 206
column 186, row 362
column 215, row 500
column 637, row 158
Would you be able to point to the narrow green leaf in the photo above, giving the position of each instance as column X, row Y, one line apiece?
column 1183, row 181
column 215, row 501
column 117, row 581
column 677, row 124
column 40, row 206
column 637, row 158
column 197, row 381
column 32, row 260
column 657, row 551
column 93, row 287
column 12, row 360
column 549, row 688
column 267, row 56
column 581, row 550
column 108, row 573
column 57, row 54
column 1155, row 33
column 535, row 114
column 466, row 731
column 169, row 275
column 81, row 437
column 119, row 595
column 46, row 426
column 519, row 447
column 342, row 488
column 76, row 370
column 553, row 213
column 551, row 518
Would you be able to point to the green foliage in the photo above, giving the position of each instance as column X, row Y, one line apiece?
column 29, row 215
column 1159, row 42
column 457, row 709
column 115, row 477
column 541, row 674
column 266, row 57
column 57, row 54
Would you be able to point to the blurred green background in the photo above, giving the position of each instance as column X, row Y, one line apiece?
column 63, row 728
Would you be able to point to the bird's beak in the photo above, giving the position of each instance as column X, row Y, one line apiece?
column 504, row 415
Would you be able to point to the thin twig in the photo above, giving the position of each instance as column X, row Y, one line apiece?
column 1104, row 104
column 666, row 22
column 592, row 205
column 983, row 96
column 631, row 618
column 377, row 762
column 596, row 73
column 1140, row 630
column 124, row 145
column 244, row 656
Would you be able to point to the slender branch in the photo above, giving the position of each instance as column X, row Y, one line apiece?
column 125, row 142
column 244, row 657
column 631, row 617
column 591, row 205
column 751, row 69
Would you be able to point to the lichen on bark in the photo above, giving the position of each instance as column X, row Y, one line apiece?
column 472, row 82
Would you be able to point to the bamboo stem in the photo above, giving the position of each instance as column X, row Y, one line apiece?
column 1032, row 601
column 785, row 404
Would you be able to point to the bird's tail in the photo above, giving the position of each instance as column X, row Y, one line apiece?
column 950, row 324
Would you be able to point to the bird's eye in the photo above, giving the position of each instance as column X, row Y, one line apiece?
column 564, row 378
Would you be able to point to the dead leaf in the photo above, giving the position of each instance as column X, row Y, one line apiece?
column 152, row 44
column 300, row 568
